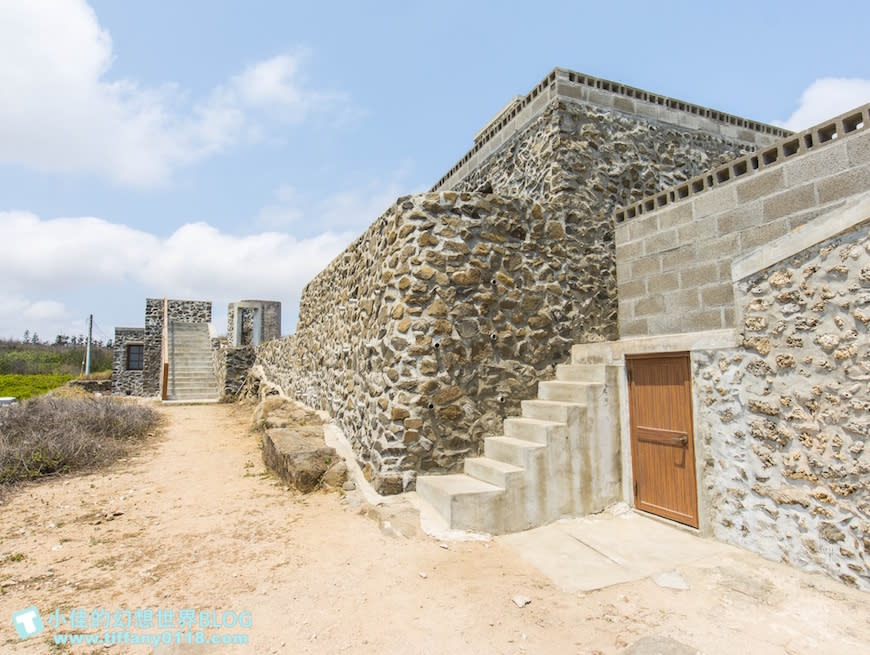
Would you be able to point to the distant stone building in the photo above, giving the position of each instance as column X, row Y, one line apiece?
column 178, row 355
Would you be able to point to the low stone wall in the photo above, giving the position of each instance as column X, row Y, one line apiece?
column 786, row 417
column 92, row 386
column 124, row 382
column 231, row 368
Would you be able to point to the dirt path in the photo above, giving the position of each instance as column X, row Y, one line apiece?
column 196, row 522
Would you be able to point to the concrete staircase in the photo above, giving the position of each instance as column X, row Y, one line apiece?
column 191, row 366
column 561, row 457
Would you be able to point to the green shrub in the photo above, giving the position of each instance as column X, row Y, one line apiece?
column 51, row 434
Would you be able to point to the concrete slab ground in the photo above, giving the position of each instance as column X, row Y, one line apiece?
column 614, row 547
column 696, row 595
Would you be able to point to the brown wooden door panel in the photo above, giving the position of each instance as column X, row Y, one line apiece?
column 662, row 444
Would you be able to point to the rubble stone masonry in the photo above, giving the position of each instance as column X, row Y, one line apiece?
column 431, row 327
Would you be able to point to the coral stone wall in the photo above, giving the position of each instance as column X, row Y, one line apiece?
column 423, row 334
column 787, row 416
column 593, row 160
column 124, row 382
column 182, row 311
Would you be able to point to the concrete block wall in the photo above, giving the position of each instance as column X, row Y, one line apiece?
column 674, row 249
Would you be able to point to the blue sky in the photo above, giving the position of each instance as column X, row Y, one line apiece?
column 229, row 150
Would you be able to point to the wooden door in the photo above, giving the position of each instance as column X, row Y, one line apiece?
column 662, row 443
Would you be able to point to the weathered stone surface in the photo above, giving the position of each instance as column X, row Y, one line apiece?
column 298, row 455
column 786, row 469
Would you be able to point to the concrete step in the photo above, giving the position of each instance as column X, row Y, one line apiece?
column 572, row 392
column 550, row 410
column 591, row 353
column 494, row 472
column 192, row 386
column 580, row 373
column 465, row 502
column 518, row 452
column 533, row 429
column 204, row 376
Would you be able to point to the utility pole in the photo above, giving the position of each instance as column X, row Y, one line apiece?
column 88, row 348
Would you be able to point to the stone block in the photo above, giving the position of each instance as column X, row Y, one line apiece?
column 621, row 234
column 661, row 283
column 815, row 164
column 705, row 319
column 679, row 257
column 634, row 289
column 679, row 302
column 643, row 226
column 715, row 201
column 760, row 185
column 699, row 275
column 665, row 324
column 631, row 250
column 741, row 218
column 858, row 148
column 652, row 304
column 678, row 214
column 660, row 241
column 298, row 455
column 751, row 239
column 844, row 184
column 789, row 202
column 717, row 294
column 646, row 266
column 633, row 328
column 626, row 308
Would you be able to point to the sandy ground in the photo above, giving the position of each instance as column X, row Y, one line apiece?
column 197, row 523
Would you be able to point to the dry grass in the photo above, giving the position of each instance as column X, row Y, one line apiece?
column 54, row 434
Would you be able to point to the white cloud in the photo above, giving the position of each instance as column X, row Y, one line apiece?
column 826, row 98
column 58, row 258
column 45, row 317
column 350, row 209
column 283, row 211
column 60, row 111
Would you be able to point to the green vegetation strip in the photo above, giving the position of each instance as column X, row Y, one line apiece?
column 25, row 386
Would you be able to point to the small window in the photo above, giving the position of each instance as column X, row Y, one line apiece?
column 135, row 356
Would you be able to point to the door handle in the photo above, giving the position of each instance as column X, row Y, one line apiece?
column 656, row 436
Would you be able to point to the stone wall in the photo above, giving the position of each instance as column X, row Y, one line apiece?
column 182, row 311
column 124, row 382
column 674, row 250
column 232, row 364
column 786, row 416
column 443, row 316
